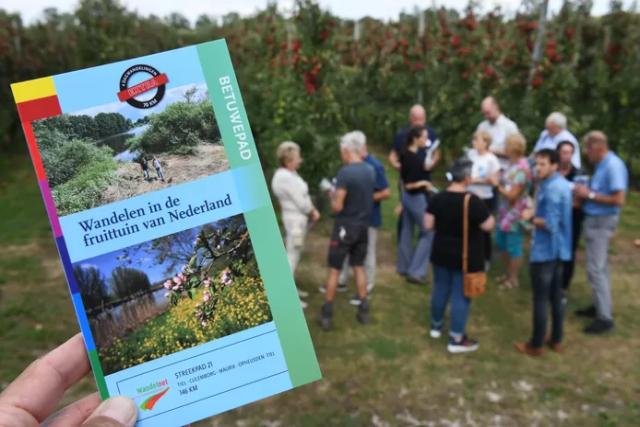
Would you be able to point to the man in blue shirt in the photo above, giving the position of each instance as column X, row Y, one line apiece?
column 550, row 247
column 602, row 200
column 380, row 192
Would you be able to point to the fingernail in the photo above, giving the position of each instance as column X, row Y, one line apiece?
column 119, row 408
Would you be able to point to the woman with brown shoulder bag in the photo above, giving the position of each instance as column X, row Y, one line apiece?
column 458, row 219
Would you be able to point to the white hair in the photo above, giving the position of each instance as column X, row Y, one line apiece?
column 557, row 119
column 353, row 141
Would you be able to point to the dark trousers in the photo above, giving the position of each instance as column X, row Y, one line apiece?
column 488, row 244
column 569, row 266
column 546, row 282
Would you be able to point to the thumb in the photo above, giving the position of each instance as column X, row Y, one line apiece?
column 118, row 411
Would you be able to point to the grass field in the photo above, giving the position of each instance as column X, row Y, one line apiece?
column 389, row 373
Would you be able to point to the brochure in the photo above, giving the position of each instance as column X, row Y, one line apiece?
column 166, row 233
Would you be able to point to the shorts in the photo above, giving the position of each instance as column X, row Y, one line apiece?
column 509, row 242
column 348, row 239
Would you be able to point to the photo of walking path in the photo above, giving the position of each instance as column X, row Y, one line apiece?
column 129, row 181
column 101, row 156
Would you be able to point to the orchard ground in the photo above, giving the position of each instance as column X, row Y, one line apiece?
column 389, row 373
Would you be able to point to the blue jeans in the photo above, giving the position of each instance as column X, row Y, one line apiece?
column 414, row 260
column 546, row 283
column 447, row 285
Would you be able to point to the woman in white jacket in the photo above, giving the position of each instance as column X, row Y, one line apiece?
column 295, row 204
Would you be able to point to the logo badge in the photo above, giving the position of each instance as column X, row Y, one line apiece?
column 157, row 82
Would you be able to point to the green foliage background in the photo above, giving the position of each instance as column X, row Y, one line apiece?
column 308, row 78
column 178, row 129
column 79, row 168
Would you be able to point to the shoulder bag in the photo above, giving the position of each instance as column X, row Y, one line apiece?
column 475, row 284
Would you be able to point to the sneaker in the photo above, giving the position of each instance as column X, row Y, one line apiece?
column 435, row 333
column 326, row 315
column 586, row 312
column 355, row 300
column 465, row 345
column 525, row 348
column 416, row 280
column 302, row 294
column 341, row 288
column 363, row 312
column 599, row 326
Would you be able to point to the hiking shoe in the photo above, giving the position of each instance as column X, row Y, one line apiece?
column 363, row 312
column 325, row 323
column 586, row 312
column 326, row 315
column 599, row 326
column 465, row 345
column 525, row 348
column 435, row 333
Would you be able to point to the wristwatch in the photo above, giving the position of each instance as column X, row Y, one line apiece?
column 592, row 195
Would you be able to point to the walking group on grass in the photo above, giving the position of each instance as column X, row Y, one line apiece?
column 144, row 165
column 494, row 197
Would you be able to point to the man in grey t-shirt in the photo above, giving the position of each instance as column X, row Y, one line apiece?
column 352, row 201
column 356, row 179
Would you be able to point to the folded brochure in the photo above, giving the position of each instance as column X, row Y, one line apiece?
column 166, row 233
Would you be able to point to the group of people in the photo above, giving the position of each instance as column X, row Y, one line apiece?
column 494, row 191
column 144, row 165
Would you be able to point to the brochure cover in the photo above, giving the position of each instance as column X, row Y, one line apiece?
column 166, row 232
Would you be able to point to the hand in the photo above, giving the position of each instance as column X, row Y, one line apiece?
column 31, row 398
column 527, row 214
column 314, row 215
column 538, row 222
column 581, row 191
column 576, row 202
column 427, row 185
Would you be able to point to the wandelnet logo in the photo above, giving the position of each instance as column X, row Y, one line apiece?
column 149, row 402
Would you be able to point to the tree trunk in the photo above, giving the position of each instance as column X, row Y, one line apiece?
column 537, row 49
